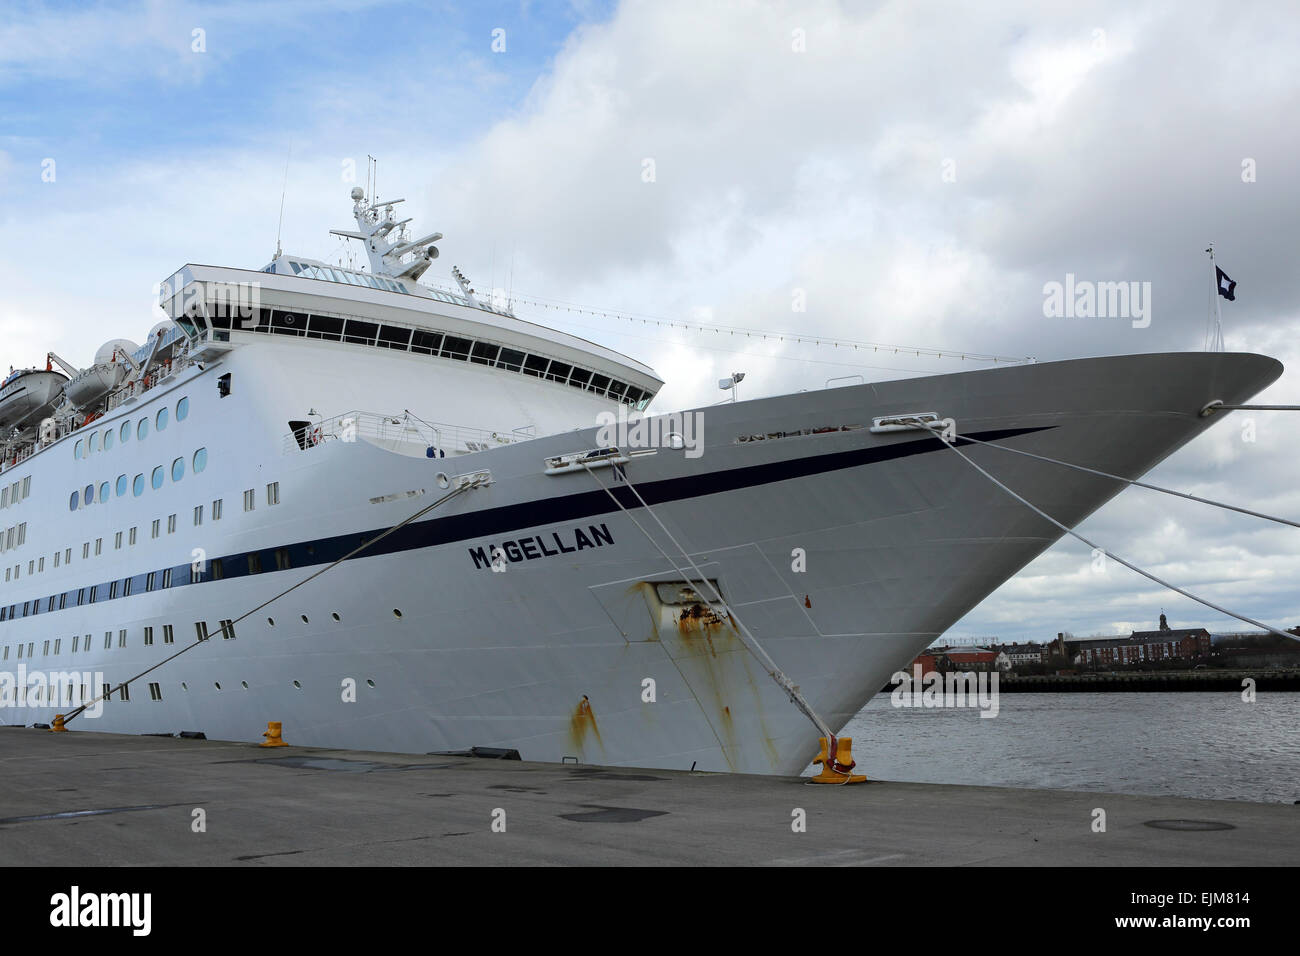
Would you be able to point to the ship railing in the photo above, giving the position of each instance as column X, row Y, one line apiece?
column 402, row 432
column 160, row 373
column 16, row 454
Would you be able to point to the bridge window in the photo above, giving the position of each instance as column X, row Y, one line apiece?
column 325, row 327
column 360, row 332
column 394, row 337
column 455, row 347
column 511, row 359
column 288, row 323
column 426, row 342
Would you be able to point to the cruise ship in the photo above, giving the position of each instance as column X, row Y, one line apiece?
column 392, row 517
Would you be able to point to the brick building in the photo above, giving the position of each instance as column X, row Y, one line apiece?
column 1163, row 644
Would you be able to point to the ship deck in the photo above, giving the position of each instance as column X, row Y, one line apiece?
column 113, row 800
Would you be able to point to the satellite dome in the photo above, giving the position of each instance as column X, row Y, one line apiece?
column 104, row 354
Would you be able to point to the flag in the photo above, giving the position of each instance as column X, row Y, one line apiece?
column 1227, row 288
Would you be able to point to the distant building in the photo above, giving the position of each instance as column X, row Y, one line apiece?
column 1030, row 653
column 960, row 658
column 1163, row 644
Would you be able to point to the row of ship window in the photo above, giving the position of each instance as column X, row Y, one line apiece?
column 12, row 494
column 441, row 344
column 97, row 440
column 47, row 695
column 87, row 496
column 20, row 695
column 124, row 586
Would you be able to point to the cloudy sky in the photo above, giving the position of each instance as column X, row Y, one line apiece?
column 914, row 171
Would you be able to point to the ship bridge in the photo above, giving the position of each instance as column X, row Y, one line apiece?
column 221, row 308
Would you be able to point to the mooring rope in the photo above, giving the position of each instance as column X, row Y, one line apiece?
column 750, row 642
column 935, row 429
column 1132, row 481
column 231, row 625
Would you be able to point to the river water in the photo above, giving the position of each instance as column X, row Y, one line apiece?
column 1207, row 745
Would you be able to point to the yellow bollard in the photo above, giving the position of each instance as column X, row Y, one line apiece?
column 57, row 727
column 272, row 735
column 836, row 758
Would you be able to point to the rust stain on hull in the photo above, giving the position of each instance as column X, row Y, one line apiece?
column 582, row 723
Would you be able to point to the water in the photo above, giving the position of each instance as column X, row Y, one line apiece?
column 1210, row 745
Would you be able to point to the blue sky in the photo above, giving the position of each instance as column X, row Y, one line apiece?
column 125, row 78
column 799, row 149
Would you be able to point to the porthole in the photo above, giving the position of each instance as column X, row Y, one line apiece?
column 108, row 439
column 137, row 486
column 335, row 615
column 89, row 494
column 297, row 685
column 244, row 684
column 124, row 432
column 184, row 686
column 74, row 501
column 161, row 421
column 200, row 460
column 157, row 478
column 397, row 614
column 216, row 685
column 182, row 409
column 79, row 450
column 369, row 682
column 270, row 621
column 178, row 469
column 121, row 485
column 304, row 619
column 103, row 492
column 142, row 429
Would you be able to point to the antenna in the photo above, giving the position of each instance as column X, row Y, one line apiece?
column 283, row 190
column 510, row 292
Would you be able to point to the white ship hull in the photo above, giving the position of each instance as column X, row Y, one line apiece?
column 901, row 539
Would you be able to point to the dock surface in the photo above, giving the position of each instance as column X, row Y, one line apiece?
column 90, row 799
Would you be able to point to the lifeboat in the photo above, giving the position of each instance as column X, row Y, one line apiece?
column 27, row 396
column 85, row 390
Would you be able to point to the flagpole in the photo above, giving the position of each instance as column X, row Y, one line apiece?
column 1216, row 342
